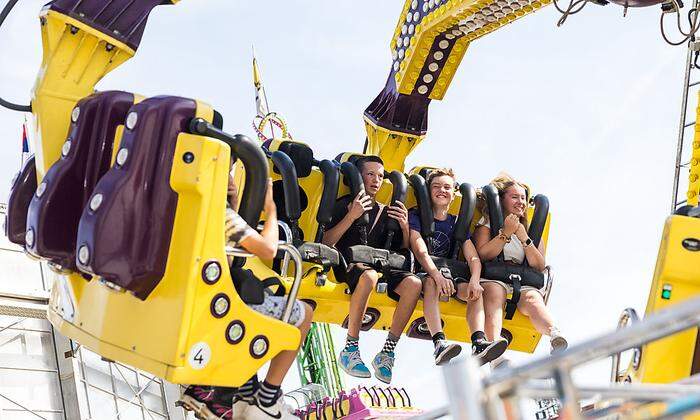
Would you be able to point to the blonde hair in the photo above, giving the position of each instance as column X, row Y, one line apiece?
column 441, row 172
column 502, row 182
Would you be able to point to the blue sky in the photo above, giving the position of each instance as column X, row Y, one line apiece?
column 586, row 114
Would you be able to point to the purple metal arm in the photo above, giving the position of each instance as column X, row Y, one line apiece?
column 123, row 20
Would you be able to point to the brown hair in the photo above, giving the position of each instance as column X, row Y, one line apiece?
column 440, row 172
column 502, row 182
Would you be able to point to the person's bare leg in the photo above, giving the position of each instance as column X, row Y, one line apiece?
column 280, row 364
column 532, row 305
column 358, row 301
column 409, row 291
column 494, row 297
column 431, row 308
column 475, row 315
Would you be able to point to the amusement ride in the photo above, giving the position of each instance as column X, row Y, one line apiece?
column 115, row 158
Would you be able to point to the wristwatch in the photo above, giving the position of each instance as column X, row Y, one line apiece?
column 527, row 243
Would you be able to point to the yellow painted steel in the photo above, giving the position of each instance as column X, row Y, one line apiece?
column 392, row 146
column 694, row 175
column 671, row 359
column 159, row 334
column 75, row 58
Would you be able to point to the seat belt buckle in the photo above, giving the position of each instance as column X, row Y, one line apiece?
column 381, row 287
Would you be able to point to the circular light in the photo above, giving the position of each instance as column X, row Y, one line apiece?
column 515, row 6
column 40, row 190
column 422, row 89
column 502, row 3
column 450, row 36
column 95, row 202
column 258, row 347
column 414, row 4
column 456, row 32
column 416, row 16
column 431, row 3
column 486, row 12
column 425, row 7
column 401, row 53
column 428, row 78
column 499, row 14
column 411, row 28
column 494, row 7
column 188, row 157
column 75, row 114
column 131, row 120
column 83, row 254
column 490, row 19
column 433, row 67
column 394, row 55
column 406, row 42
column 220, row 306
column 235, row 332
column 478, row 16
column 211, row 272
column 438, row 55
column 409, row 17
column 66, row 148
column 443, row 44
column 404, row 29
column 122, row 156
column 396, row 66
column 29, row 237
column 464, row 28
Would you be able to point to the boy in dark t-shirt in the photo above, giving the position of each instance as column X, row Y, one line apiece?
column 441, row 184
column 361, row 279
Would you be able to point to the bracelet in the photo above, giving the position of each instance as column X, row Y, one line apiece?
column 503, row 236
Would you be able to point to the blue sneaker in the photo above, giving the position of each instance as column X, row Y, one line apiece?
column 351, row 362
column 383, row 363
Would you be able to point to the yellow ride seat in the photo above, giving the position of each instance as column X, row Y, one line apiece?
column 159, row 295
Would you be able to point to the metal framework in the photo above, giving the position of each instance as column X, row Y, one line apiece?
column 475, row 397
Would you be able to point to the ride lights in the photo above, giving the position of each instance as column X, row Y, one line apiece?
column 220, row 305
column 235, row 332
column 259, row 346
column 29, row 237
column 95, row 202
column 65, row 149
column 122, row 156
column 131, row 120
column 83, row 255
column 40, row 189
column 211, row 272
column 75, row 114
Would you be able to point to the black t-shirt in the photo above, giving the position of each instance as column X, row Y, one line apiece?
column 376, row 237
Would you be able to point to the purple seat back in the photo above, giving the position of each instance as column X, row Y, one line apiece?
column 54, row 211
column 23, row 188
column 127, row 238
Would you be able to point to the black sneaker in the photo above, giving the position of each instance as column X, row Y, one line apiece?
column 486, row 351
column 444, row 352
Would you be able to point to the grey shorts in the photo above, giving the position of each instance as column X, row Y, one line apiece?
column 273, row 306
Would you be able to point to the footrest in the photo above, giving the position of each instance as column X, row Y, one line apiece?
column 378, row 258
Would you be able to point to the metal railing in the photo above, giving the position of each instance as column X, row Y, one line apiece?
column 474, row 397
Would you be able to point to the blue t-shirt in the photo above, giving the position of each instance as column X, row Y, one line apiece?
column 442, row 238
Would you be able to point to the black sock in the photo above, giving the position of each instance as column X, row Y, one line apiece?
column 478, row 336
column 351, row 341
column 268, row 394
column 438, row 337
column 390, row 343
column 248, row 389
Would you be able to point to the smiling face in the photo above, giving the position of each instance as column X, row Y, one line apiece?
column 514, row 201
column 442, row 190
column 372, row 176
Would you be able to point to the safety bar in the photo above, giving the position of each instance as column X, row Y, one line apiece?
column 466, row 214
column 472, row 397
column 628, row 316
column 292, row 251
column 427, row 223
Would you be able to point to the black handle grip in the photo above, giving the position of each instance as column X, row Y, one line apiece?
column 254, row 161
column 399, row 189
column 425, row 209
column 539, row 219
column 331, row 180
column 290, row 184
column 493, row 203
column 354, row 180
column 466, row 214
